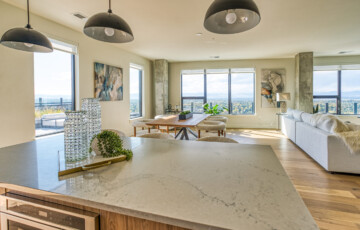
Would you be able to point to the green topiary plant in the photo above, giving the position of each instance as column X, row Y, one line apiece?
column 316, row 109
column 185, row 112
column 214, row 110
column 109, row 144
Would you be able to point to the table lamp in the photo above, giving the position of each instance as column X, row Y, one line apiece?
column 282, row 98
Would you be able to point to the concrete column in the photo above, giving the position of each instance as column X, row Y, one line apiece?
column 161, row 76
column 304, row 81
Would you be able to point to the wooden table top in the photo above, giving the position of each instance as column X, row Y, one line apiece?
column 174, row 121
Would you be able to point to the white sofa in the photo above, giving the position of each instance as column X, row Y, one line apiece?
column 288, row 127
column 323, row 146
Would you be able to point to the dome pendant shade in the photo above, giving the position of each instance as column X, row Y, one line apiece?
column 108, row 27
column 217, row 18
column 26, row 39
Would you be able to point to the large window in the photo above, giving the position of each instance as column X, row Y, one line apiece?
column 136, row 75
column 54, row 87
column 217, row 85
column 242, row 91
column 229, row 88
column 350, row 91
column 193, row 90
column 337, row 91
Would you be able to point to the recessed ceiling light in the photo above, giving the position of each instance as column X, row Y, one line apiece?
column 198, row 34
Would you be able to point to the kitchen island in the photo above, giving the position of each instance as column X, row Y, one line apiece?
column 168, row 184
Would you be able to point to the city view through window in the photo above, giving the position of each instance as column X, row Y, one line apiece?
column 337, row 91
column 54, row 91
column 135, row 92
column 231, row 89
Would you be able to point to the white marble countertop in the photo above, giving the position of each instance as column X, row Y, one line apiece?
column 194, row 185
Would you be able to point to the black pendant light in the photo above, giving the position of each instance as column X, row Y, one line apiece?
column 27, row 39
column 232, row 16
column 108, row 27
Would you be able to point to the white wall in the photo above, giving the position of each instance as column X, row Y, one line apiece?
column 264, row 117
column 339, row 60
column 17, row 78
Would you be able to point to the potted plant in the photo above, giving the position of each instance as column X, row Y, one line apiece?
column 213, row 110
column 184, row 115
column 316, row 109
column 109, row 144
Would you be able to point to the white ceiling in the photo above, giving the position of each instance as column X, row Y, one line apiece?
column 165, row 29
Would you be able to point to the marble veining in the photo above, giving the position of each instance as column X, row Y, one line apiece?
column 188, row 184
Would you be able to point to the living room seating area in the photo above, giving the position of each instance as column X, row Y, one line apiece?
column 320, row 141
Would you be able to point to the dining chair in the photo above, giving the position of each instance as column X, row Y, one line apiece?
column 158, row 136
column 142, row 124
column 218, row 139
column 207, row 125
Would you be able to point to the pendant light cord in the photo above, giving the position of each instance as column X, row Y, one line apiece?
column 28, row 26
column 109, row 11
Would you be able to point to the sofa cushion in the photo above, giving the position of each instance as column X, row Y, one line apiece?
column 290, row 112
column 297, row 115
column 309, row 119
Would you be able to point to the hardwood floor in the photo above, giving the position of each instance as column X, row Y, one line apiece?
column 333, row 199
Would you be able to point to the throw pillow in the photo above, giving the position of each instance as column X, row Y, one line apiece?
column 331, row 124
column 309, row 119
column 297, row 115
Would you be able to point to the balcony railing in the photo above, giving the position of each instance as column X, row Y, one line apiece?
column 348, row 110
column 53, row 105
column 50, row 116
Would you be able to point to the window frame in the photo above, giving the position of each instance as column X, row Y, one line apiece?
column 205, row 99
column 337, row 97
column 192, row 98
column 141, row 76
column 254, row 94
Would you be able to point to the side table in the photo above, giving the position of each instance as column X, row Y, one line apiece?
column 279, row 115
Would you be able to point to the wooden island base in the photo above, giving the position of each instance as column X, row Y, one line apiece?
column 108, row 220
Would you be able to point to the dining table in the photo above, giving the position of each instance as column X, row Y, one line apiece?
column 184, row 125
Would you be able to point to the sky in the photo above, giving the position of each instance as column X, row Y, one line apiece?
column 325, row 83
column 53, row 74
column 242, row 85
column 134, row 84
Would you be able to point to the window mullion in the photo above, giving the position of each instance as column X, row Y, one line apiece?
column 229, row 92
column 140, row 93
column 205, row 86
column 73, row 82
column 339, row 93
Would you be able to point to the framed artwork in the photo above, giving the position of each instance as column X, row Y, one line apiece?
column 272, row 82
column 108, row 82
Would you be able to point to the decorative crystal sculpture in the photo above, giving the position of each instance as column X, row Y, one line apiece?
column 93, row 115
column 75, row 136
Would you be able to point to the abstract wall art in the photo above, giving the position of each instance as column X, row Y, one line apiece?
column 272, row 82
column 108, row 82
